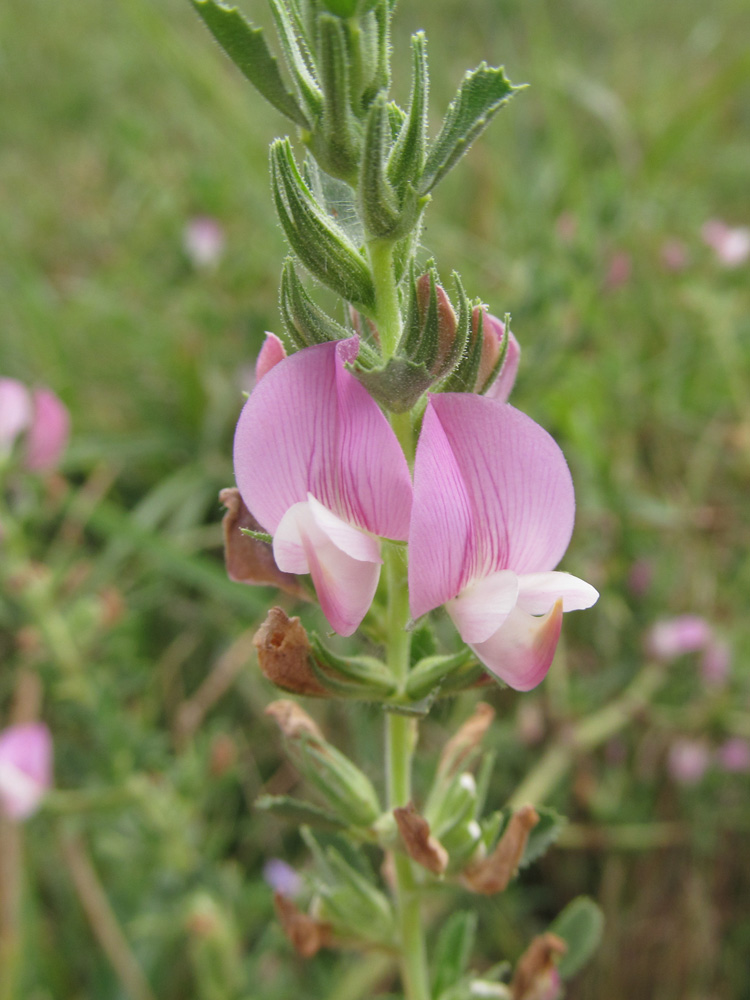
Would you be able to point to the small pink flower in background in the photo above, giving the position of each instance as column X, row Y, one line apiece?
column 41, row 416
column 203, row 240
column 320, row 468
column 731, row 245
column 493, row 342
column 640, row 577
column 619, row 270
column 687, row 761
column 493, row 514
column 733, row 756
column 270, row 354
column 281, row 877
column 674, row 255
column 673, row 637
column 566, row 227
column 716, row 662
column 25, row 768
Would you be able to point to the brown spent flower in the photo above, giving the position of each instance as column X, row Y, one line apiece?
column 284, row 654
column 306, row 934
column 420, row 845
column 493, row 873
column 249, row 560
column 535, row 970
column 293, row 721
column 466, row 740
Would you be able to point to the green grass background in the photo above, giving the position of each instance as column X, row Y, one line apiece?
column 119, row 122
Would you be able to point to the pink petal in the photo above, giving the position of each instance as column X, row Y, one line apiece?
column 49, row 432
column 15, row 411
column 311, row 427
column 492, row 491
column 521, row 651
column 344, row 562
column 502, row 387
column 539, row 591
column 482, row 607
column 674, row 637
column 25, row 768
column 270, row 354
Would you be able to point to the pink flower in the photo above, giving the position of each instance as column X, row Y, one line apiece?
column 731, row 245
column 493, row 334
column 687, row 761
column 319, row 467
column 270, row 354
column 673, row 637
column 493, row 515
column 674, row 255
column 733, row 756
column 203, row 240
column 43, row 418
column 25, row 768
column 716, row 662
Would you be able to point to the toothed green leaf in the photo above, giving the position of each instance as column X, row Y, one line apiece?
column 580, row 925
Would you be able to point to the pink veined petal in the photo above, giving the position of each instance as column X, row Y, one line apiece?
column 502, row 387
column 344, row 562
column 25, row 768
column 270, row 354
column 49, row 432
column 311, row 427
column 537, row 592
column 521, row 651
column 492, row 491
column 482, row 607
column 15, row 410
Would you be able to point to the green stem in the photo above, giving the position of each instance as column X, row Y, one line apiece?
column 388, row 312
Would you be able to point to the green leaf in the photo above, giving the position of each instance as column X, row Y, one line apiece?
column 298, row 812
column 316, row 239
column 378, row 205
column 481, row 95
column 247, row 48
column 337, row 140
column 431, row 671
column 298, row 59
column 580, row 925
column 407, row 156
column 453, row 950
column 544, row 834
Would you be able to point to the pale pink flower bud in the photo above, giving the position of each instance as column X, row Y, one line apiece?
column 687, row 761
column 673, row 637
column 270, row 354
column 203, row 240
column 733, row 756
column 49, row 432
column 493, row 342
column 25, row 768
column 447, row 323
column 731, row 245
column 716, row 662
column 618, row 270
column 15, row 411
column 674, row 255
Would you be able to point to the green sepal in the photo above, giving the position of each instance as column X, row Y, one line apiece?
column 362, row 669
column 347, row 789
column 432, row 671
column 377, row 200
column 464, row 376
column 336, row 140
column 451, row 804
column 412, row 709
column 407, row 156
column 398, row 385
column 376, row 23
column 355, row 907
column 501, row 356
column 304, row 321
column 453, row 950
column 259, row 536
column 580, row 925
column 341, row 8
column 319, row 243
column 298, row 59
column 297, row 812
column 248, row 50
column 396, row 119
column 482, row 93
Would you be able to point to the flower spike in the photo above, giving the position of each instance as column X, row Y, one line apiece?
column 319, row 467
column 493, row 515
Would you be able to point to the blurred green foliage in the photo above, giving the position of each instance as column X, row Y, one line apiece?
column 122, row 122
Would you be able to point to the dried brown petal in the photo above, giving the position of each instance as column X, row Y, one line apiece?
column 293, row 721
column 247, row 559
column 307, row 935
column 533, row 977
column 284, row 654
column 420, row 845
column 466, row 740
column 492, row 874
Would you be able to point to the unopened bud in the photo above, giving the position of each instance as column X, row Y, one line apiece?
column 536, row 976
column 493, row 873
column 247, row 559
column 284, row 654
column 270, row 354
column 438, row 325
column 499, row 359
column 306, row 934
column 420, row 845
